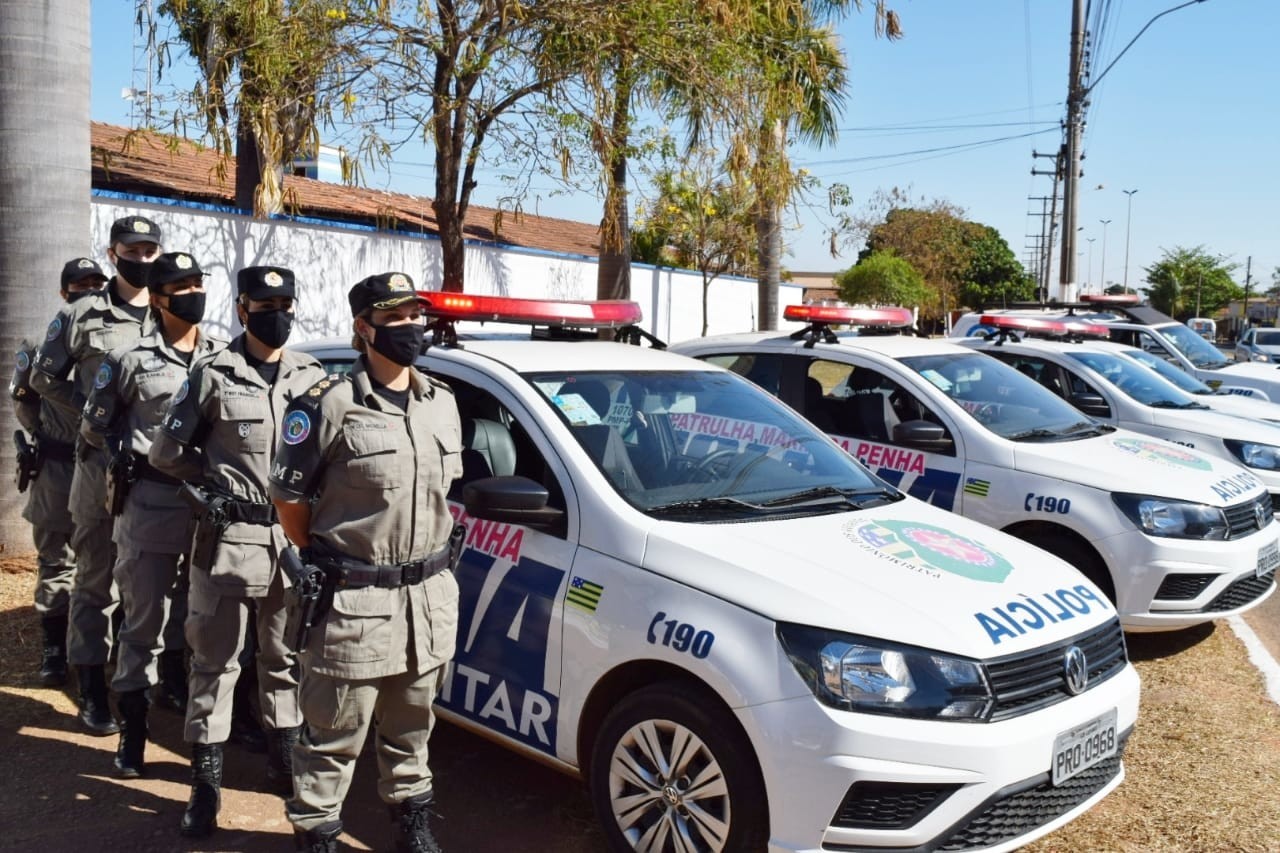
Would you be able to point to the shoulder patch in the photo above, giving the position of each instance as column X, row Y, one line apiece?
column 55, row 328
column 296, row 427
column 181, row 393
column 24, row 361
column 104, row 376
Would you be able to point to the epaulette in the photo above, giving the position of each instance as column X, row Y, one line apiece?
column 315, row 393
column 438, row 383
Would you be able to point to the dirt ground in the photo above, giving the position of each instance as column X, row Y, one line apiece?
column 1203, row 770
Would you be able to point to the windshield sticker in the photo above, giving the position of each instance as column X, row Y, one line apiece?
column 1034, row 612
column 977, row 488
column 933, row 550
column 584, row 594
column 1161, row 453
column 576, row 409
column 937, row 379
column 691, row 425
column 1236, row 485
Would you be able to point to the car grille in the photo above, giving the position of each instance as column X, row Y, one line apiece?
column 1020, row 812
column 1028, row 682
column 1275, row 502
column 1241, row 520
column 888, row 805
column 1241, row 593
column 1183, row 587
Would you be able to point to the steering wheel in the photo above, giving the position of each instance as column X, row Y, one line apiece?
column 986, row 413
column 703, row 469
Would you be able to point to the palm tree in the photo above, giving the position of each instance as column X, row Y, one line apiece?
column 44, row 183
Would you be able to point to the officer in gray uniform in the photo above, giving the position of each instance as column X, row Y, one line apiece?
column 130, row 398
column 360, row 477
column 77, row 341
column 48, row 466
column 219, row 436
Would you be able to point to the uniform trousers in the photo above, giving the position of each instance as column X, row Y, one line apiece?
column 55, row 570
column 94, row 595
column 153, row 595
column 338, row 712
column 218, row 619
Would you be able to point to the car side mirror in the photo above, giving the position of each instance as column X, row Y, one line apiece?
column 923, row 435
column 1091, row 404
column 512, row 500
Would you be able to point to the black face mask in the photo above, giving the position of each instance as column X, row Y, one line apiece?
column 400, row 344
column 134, row 272
column 270, row 327
column 73, row 295
column 188, row 307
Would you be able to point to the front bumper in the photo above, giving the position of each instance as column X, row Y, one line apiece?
column 984, row 786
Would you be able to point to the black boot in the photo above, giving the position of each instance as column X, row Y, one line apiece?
column 246, row 730
column 280, row 744
column 322, row 839
column 171, row 692
column 133, row 734
column 201, row 817
column 412, row 816
column 53, row 662
column 95, row 712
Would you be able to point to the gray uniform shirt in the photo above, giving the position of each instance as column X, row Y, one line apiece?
column 219, row 432
column 47, row 496
column 377, row 479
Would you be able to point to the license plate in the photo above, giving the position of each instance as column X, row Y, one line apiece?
column 1078, row 749
column 1268, row 559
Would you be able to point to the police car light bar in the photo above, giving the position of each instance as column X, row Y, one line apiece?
column 888, row 317
column 601, row 314
column 1027, row 325
column 1081, row 329
column 1110, row 298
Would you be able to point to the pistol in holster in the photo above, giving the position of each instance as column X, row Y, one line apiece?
column 308, row 597
column 211, row 518
column 120, row 474
column 29, row 459
column 457, row 538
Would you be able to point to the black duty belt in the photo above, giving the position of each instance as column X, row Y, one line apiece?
column 63, row 451
column 351, row 574
column 144, row 471
column 250, row 513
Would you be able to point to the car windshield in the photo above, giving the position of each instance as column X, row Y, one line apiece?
column 1003, row 400
column 1136, row 381
column 1181, row 378
column 1198, row 351
column 703, row 445
column 1270, row 338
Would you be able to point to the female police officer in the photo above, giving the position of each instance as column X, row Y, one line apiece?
column 359, row 481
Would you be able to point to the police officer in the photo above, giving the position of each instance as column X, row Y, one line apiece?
column 360, row 477
column 54, row 430
column 77, row 341
column 219, row 435
column 129, row 399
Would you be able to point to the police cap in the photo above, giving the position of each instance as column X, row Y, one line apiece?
column 265, row 282
column 134, row 229
column 171, row 266
column 385, row 290
column 78, row 269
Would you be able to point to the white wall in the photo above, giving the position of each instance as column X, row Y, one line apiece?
column 328, row 258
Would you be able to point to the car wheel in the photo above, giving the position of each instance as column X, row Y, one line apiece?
column 1082, row 557
column 672, row 771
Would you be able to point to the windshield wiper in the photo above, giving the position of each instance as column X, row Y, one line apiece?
column 1035, row 434
column 706, row 505
column 827, row 494
column 1170, row 404
column 1081, row 428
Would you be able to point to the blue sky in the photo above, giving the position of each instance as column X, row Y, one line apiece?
column 1188, row 117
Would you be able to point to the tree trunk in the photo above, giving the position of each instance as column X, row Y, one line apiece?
column 769, row 250
column 44, row 187
column 613, row 273
column 248, row 168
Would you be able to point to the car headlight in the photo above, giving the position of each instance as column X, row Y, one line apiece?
column 1263, row 456
column 1175, row 519
column 855, row 673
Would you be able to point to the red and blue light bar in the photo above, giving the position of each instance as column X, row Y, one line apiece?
column 886, row 317
column 599, row 314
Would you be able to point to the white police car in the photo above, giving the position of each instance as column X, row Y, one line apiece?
column 1144, row 327
column 1077, row 362
column 1175, row 537
column 1220, row 401
column 677, row 588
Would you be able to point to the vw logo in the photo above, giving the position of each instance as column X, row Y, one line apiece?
column 671, row 795
column 1262, row 509
column 1075, row 671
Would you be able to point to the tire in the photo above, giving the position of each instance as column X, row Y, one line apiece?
column 1082, row 557
column 714, row 800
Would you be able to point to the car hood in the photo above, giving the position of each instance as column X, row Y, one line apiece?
column 1259, row 370
column 1218, row 425
column 1126, row 459
column 1241, row 406
column 906, row 572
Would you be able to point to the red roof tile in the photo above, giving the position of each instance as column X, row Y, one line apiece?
column 149, row 163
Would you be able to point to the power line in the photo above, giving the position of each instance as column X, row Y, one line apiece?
column 958, row 147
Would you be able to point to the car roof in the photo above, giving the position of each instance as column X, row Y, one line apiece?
column 893, row 346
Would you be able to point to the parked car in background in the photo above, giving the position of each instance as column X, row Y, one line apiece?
column 1259, row 344
column 1176, row 537
column 678, row 589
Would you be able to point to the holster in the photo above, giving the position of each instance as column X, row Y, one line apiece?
column 29, row 460
column 307, row 598
column 210, row 516
column 120, row 476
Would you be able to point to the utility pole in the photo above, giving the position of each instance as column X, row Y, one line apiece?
column 1076, row 99
column 1128, row 220
column 1102, row 273
column 1248, row 273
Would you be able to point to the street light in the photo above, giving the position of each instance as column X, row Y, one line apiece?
column 1103, row 272
column 1128, row 219
column 1091, row 239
